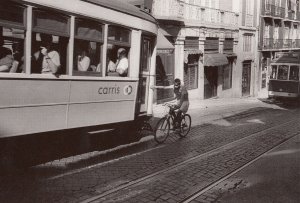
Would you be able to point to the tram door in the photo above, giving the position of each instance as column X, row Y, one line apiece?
column 246, row 79
column 146, row 53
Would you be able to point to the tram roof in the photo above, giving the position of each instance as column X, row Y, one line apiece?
column 123, row 7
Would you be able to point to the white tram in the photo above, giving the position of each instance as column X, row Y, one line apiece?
column 32, row 101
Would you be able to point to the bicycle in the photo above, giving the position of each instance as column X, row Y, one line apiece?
column 166, row 123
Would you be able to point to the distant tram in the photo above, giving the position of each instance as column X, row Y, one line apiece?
column 284, row 76
column 83, row 40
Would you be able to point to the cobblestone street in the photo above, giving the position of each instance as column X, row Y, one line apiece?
column 172, row 172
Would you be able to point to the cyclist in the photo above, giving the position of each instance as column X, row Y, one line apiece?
column 182, row 97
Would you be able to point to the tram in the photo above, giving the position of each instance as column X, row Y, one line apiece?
column 35, row 99
column 284, row 76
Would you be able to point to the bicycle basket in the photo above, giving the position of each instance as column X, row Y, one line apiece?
column 160, row 111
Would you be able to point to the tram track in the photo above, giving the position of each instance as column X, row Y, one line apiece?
column 190, row 160
column 129, row 147
column 212, row 185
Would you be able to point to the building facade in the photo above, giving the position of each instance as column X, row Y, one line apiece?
column 279, row 33
column 215, row 45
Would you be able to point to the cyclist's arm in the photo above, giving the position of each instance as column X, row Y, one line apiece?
column 162, row 87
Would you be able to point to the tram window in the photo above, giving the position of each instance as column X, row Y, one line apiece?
column 274, row 72
column 294, row 73
column 50, row 42
column 11, row 50
column 118, row 51
column 118, row 34
column 11, row 37
column 12, row 12
column 87, row 47
column 49, row 54
column 283, row 71
column 48, row 21
column 117, row 61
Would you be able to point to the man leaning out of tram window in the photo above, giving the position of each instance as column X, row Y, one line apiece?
column 6, row 57
column 51, row 60
column 122, row 62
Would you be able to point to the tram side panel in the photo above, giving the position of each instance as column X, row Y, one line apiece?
column 32, row 106
column 29, row 106
column 99, row 102
column 280, row 88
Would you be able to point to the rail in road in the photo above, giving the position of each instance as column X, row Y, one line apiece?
column 122, row 193
column 173, row 172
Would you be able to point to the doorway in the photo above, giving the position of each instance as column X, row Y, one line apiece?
column 210, row 82
column 246, row 79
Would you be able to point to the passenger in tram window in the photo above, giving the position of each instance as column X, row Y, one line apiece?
column 36, row 58
column 6, row 57
column 51, row 59
column 111, row 66
column 122, row 63
column 18, row 55
column 83, row 61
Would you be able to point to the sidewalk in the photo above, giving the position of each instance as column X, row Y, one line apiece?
column 206, row 111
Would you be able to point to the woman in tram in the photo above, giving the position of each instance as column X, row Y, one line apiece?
column 84, row 61
column 51, row 60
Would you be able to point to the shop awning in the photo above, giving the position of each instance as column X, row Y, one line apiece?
column 162, row 42
column 190, row 52
column 215, row 59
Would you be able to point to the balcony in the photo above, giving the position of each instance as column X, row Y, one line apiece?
column 273, row 11
column 275, row 44
column 204, row 15
column 168, row 10
column 176, row 10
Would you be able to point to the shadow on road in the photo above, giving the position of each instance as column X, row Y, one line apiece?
column 78, row 148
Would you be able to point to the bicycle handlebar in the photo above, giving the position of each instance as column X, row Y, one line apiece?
column 168, row 105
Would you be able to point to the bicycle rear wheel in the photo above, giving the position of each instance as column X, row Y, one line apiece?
column 185, row 125
column 162, row 130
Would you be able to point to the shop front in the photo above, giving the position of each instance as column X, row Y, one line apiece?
column 212, row 63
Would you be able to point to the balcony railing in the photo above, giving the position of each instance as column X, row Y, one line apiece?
column 275, row 11
column 180, row 11
column 291, row 15
column 168, row 9
column 269, row 43
column 210, row 15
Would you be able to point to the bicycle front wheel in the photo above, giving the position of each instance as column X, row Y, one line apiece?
column 162, row 130
column 185, row 125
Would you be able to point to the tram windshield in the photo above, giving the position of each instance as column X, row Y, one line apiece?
column 274, row 72
column 283, row 71
column 294, row 73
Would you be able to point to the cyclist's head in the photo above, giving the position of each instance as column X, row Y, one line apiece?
column 177, row 83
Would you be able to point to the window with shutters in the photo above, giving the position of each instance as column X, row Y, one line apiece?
column 191, row 72
column 247, row 43
column 211, row 44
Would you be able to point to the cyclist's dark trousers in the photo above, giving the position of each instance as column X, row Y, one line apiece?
column 177, row 118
